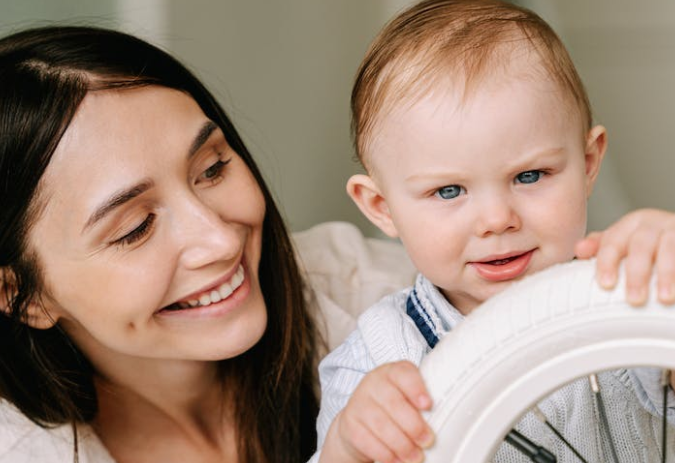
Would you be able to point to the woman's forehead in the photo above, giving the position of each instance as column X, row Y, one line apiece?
column 117, row 136
column 115, row 125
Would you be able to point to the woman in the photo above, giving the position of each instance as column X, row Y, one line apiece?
column 151, row 299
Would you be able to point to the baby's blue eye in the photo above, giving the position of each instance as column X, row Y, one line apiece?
column 449, row 192
column 531, row 176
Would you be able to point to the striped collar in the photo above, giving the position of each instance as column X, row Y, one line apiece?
column 433, row 315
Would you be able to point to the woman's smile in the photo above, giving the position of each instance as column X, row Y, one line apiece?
column 219, row 300
column 214, row 294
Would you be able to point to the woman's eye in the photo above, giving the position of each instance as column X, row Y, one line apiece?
column 214, row 171
column 449, row 192
column 531, row 176
column 138, row 232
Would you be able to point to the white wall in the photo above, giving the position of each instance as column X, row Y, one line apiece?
column 625, row 53
column 18, row 14
column 284, row 70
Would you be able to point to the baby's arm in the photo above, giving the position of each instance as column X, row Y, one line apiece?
column 645, row 241
column 382, row 420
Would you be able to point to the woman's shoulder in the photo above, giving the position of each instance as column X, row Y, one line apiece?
column 349, row 272
column 21, row 441
column 355, row 270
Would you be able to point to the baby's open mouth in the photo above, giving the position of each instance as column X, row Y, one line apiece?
column 504, row 268
column 503, row 261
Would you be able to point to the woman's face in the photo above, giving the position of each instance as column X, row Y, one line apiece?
column 151, row 234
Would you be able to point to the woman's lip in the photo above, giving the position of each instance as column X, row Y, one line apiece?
column 213, row 310
column 503, row 272
column 210, row 287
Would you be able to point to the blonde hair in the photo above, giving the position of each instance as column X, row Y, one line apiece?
column 435, row 38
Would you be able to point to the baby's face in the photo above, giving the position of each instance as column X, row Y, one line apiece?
column 486, row 191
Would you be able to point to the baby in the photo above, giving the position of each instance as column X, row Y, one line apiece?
column 476, row 134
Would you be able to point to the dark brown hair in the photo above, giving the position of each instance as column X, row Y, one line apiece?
column 45, row 74
column 464, row 39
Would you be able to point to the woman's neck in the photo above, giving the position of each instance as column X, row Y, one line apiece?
column 164, row 410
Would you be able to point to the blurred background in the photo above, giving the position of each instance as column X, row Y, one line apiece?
column 284, row 69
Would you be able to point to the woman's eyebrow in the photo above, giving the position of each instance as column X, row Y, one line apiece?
column 204, row 133
column 116, row 200
column 128, row 194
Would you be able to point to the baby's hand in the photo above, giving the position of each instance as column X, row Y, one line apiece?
column 382, row 420
column 646, row 240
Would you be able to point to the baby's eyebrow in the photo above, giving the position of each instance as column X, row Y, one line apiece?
column 435, row 176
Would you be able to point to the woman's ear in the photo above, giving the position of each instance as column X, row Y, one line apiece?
column 36, row 316
column 596, row 145
column 367, row 196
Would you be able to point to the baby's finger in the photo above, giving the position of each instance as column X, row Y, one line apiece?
column 607, row 262
column 407, row 378
column 370, row 446
column 406, row 415
column 588, row 247
column 392, row 437
column 638, row 265
column 665, row 268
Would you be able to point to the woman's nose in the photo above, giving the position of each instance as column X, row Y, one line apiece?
column 496, row 215
column 205, row 237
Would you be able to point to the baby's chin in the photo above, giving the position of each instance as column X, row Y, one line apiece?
column 467, row 302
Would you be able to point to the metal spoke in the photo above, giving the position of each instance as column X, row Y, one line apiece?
column 540, row 415
column 595, row 387
column 534, row 452
column 665, row 383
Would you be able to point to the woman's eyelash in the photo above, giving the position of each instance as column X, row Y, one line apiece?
column 215, row 169
column 138, row 232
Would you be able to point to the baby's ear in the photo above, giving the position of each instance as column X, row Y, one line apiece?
column 36, row 316
column 596, row 146
column 367, row 196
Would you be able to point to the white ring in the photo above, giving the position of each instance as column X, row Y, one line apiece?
column 525, row 343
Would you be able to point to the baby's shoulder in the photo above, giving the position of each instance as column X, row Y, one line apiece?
column 389, row 333
column 391, row 309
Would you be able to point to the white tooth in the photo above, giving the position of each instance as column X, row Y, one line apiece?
column 183, row 305
column 225, row 290
column 193, row 302
column 215, row 296
column 238, row 278
column 205, row 300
